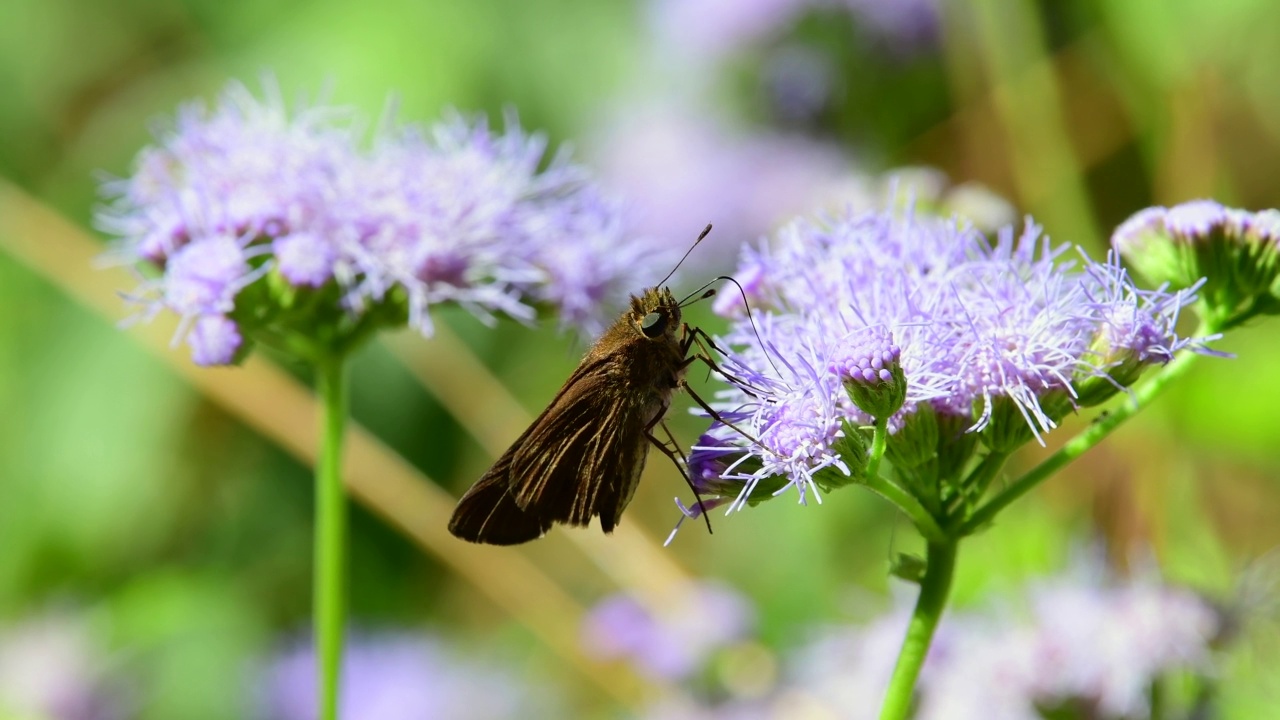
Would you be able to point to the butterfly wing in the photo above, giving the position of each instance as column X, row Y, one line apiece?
column 585, row 459
column 488, row 512
column 580, row 458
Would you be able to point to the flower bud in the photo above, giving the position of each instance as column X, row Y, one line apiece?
column 1236, row 252
column 872, row 374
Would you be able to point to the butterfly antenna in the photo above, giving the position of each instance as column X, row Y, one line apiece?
column 752, row 320
column 703, row 234
column 709, row 293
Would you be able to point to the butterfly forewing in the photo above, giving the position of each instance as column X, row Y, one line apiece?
column 583, row 455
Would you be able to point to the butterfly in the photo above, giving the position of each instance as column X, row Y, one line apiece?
column 582, row 457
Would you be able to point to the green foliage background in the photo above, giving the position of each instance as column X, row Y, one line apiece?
column 182, row 535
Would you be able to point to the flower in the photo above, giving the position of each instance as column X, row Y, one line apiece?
column 870, row 368
column 708, row 30
column 673, row 640
column 51, row 668
column 254, row 223
column 401, row 677
column 682, row 167
column 1236, row 252
column 1079, row 638
column 912, row 318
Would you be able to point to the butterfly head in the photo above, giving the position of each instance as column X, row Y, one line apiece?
column 656, row 314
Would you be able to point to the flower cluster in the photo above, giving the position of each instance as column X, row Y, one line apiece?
column 928, row 327
column 1236, row 251
column 673, row 641
column 1074, row 643
column 403, row 677
column 254, row 223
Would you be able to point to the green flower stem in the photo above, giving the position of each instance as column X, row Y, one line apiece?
column 975, row 486
column 1099, row 429
column 924, row 521
column 934, row 588
column 879, row 440
column 330, row 533
column 891, row 491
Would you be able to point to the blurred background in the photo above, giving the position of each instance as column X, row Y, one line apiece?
column 155, row 518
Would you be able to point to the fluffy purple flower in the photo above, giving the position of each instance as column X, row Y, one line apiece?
column 305, row 259
column 673, row 640
column 453, row 213
column 214, row 340
column 203, row 278
column 401, row 677
column 1003, row 333
column 1236, row 252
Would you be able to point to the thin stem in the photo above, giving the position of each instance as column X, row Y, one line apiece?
column 934, row 588
column 330, row 534
column 924, row 521
column 975, row 485
column 1090, row 436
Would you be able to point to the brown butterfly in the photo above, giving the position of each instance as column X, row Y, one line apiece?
column 583, row 455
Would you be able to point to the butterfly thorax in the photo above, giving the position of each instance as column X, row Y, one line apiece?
column 645, row 342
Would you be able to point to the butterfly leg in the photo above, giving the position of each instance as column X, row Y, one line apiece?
column 716, row 415
column 677, row 456
column 695, row 335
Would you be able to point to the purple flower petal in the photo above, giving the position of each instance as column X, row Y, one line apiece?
column 214, row 340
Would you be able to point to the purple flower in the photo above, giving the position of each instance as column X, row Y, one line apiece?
column 1003, row 333
column 681, row 169
column 1235, row 251
column 847, row 668
column 305, row 259
column 50, row 668
column 709, row 30
column 454, row 213
column 672, row 638
column 1080, row 638
column 1106, row 644
column 713, row 28
column 401, row 677
column 203, row 278
column 869, row 366
column 214, row 340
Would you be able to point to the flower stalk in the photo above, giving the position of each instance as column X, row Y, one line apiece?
column 935, row 587
column 330, row 534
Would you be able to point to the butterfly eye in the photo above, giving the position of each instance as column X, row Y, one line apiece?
column 653, row 324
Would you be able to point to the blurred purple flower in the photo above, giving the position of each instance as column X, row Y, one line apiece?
column 674, row 640
column 454, row 213
column 681, row 169
column 846, row 669
column 50, row 669
column 904, row 25
column 214, row 340
column 1000, row 332
column 709, row 30
column 401, row 677
column 1079, row 637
